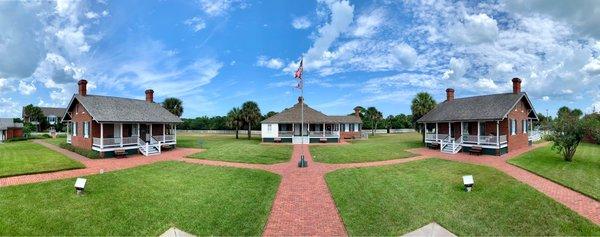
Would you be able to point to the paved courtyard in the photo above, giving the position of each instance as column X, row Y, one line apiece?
column 303, row 204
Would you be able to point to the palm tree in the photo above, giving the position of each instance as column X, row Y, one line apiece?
column 250, row 114
column 389, row 122
column 421, row 104
column 173, row 105
column 235, row 120
column 375, row 116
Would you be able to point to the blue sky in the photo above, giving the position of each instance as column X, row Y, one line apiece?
column 216, row 54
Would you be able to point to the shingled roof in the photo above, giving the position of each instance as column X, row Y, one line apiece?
column 293, row 115
column 485, row 107
column 6, row 123
column 117, row 109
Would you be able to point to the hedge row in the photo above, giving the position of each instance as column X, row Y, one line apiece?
column 87, row 153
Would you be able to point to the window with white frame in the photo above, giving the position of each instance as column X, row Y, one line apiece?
column 524, row 125
column 74, row 124
column 513, row 127
column 86, row 129
column 269, row 127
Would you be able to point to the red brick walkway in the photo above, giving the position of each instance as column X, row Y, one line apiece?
column 584, row 205
column 94, row 166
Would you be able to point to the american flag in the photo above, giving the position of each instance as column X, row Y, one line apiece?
column 298, row 73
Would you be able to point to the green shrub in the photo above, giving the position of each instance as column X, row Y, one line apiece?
column 16, row 139
column 46, row 136
column 61, row 136
column 87, row 153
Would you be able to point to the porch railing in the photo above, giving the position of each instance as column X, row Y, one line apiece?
column 431, row 136
column 484, row 140
column 166, row 138
column 69, row 138
column 320, row 133
column 114, row 142
column 286, row 133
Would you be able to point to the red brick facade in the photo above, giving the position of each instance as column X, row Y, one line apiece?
column 13, row 133
column 518, row 113
column 79, row 115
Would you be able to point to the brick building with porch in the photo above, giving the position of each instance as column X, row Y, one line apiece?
column 107, row 124
column 494, row 124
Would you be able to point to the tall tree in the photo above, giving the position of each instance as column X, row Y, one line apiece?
column 270, row 114
column 251, row 115
column 35, row 114
column 374, row 116
column 567, row 132
column 235, row 120
column 389, row 122
column 421, row 104
column 173, row 105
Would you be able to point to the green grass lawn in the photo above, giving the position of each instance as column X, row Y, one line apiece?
column 144, row 201
column 227, row 148
column 379, row 147
column 394, row 200
column 25, row 157
column 582, row 174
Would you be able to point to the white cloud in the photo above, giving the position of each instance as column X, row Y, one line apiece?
column 458, row 68
column 545, row 98
column 196, row 23
column 301, row 22
column 504, row 67
column 73, row 39
column 367, row 24
column 582, row 16
column 273, row 63
column 5, row 85
column 9, row 108
column 216, row 7
column 26, row 88
column 341, row 14
column 486, row 84
column 474, row 30
column 405, row 54
column 593, row 67
column 91, row 15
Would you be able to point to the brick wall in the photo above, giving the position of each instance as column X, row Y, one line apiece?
column 349, row 135
column 520, row 139
column 80, row 115
column 14, row 132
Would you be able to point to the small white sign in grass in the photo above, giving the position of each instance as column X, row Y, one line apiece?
column 468, row 182
column 80, row 185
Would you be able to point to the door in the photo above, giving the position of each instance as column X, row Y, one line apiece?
column 144, row 132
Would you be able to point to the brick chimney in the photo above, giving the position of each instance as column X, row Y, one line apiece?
column 82, row 87
column 150, row 96
column 449, row 94
column 516, row 85
column 357, row 111
column 300, row 99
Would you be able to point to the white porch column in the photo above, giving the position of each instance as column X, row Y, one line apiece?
column 150, row 132
column 449, row 129
column 164, row 128
column 436, row 131
column 101, row 135
column 461, row 129
column 175, row 132
column 498, row 133
column 323, row 129
column 478, row 131
column 121, row 128
column 138, row 131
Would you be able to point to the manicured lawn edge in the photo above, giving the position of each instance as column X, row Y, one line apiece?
column 548, row 178
column 43, row 172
